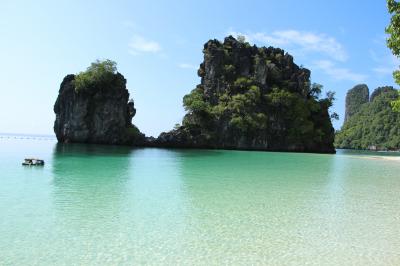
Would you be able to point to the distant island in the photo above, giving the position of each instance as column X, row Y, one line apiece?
column 370, row 122
column 250, row 98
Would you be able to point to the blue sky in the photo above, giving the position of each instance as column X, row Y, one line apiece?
column 158, row 47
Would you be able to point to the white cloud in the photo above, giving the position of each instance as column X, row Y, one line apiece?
column 301, row 41
column 385, row 63
column 338, row 73
column 139, row 44
column 383, row 71
column 187, row 66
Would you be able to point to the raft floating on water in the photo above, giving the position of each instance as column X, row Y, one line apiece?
column 33, row 162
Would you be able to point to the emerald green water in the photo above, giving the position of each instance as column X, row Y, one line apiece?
column 96, row 205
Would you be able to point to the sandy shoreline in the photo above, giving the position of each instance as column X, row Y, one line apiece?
column 391, row 158
column 388, row 158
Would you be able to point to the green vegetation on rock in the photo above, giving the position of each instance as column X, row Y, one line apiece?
column 134, row 134
column 99, row 74
column 355, row 98
column 374, row 126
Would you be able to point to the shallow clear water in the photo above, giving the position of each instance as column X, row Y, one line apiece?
column 92, row 205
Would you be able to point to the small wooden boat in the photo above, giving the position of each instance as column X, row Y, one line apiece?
column 33, row 162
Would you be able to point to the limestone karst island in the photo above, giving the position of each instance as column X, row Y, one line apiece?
column 200, row 133
column 250, row 97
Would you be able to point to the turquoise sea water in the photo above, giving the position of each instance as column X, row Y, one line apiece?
column 95, row 205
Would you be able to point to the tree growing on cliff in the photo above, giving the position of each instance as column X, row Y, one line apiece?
column 393, row 42
column 98, row 74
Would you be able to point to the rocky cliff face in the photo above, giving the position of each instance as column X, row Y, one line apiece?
column 374, row 125
column 253, row 98
column 95, row 115
column 355, row 97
